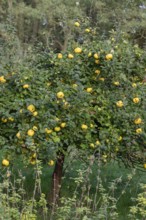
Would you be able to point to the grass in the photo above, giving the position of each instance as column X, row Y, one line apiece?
column 109, row 172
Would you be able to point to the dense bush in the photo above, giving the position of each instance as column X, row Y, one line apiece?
column 87, row 98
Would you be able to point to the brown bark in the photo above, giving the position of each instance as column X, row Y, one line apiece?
column 56, row 181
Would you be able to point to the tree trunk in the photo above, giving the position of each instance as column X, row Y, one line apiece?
column 56, row 181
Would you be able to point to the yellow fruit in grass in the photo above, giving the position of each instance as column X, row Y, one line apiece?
column 84, row 127
column 11, row 119
column 60, row 95
column 63, row 125
column 2, row 79
column 134, row 85
column 138, row 121
column 119, row 104
column 35, row 113
column 25, row 86
column 138, row 130
column 35, row 128
column 77, row 24
column 59, row 56
column 91, row 126
column 74, row 85
column 5, row 162
column 49, row 83
column 120, row 138
column 34, row 155
column 57, row 129
column 116, row 149
column 97, row 72
column 97, row 142
column 96, row 56
column 31, row 108
column 116, row 83
column 18, row 135
column 30, row 132
column 89, row 54
column 136, row 100
column 104, row 156
column 33, row 161
column 89, row 90
column 51, row 162
column 70, row 56
column 4, row 120
column 87, row 30
column 97, row 61
column 109, row 56
column 48, row 131
column 57, row 119
column 92, row 146
column 78, row 50
column 21, row 110
column 102, row 79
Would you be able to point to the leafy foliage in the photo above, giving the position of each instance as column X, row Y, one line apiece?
column 93, row 101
